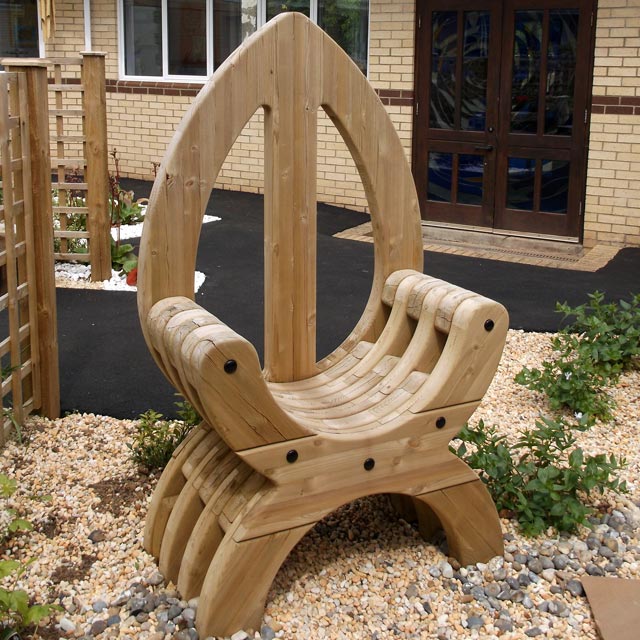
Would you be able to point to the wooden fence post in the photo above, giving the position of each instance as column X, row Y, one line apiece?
column 38, row 113
column 97, row 176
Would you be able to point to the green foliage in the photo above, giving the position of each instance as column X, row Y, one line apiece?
column 124, row 209
column 609, row 331
column 16, row 612
column 156, row 439
column 123, row 259
column 589, row 355
column 543, row 478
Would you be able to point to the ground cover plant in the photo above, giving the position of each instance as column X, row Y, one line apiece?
column 156, row 439
column 18, row 612
column 590, row 352
column 543, row 479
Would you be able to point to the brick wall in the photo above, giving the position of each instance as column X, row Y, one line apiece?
column 612, row 206
column 143, row 116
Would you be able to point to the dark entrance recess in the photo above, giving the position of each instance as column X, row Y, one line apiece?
column 500, row 126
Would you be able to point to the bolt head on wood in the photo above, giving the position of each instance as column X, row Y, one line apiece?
column 230, row 366
column 292, row 456
column 369, row 463
column 488, row 325
column 441, row 422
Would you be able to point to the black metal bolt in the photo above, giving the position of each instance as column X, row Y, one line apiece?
column 440, row 422
column 292, row 456
column 369, row 463
column 230, row 366
column 488, row 325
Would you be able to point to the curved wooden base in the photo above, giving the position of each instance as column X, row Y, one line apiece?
column 205, row 519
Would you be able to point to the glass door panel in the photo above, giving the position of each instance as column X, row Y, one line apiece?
column 499, row 131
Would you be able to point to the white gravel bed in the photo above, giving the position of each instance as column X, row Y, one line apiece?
column 360, row 574
column 76, row 275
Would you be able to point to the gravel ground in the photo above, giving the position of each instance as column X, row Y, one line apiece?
column 360, row 574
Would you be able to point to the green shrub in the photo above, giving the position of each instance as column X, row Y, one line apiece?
column 542, row 479
column 590, row 353
column 156, row 439
column 572, row 380
column 123, row 259
column 609, row 332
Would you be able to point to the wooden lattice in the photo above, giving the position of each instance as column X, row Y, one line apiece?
column 18, row 319
column 79, row 162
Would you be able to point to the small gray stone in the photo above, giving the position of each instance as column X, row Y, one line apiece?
column 156, row 579
column 162, row 617
column 557, row 608
column 174, row 611
column 142, row 617
column 524, row 580
column 121, row 600
column 574, row 587
column 267, row 633
column 527, row 602
column 477, row 592
column 492, row 589
column 503, row 625
column 605, row 552
column 426, row 605
column 136, row 605
column 594, row 570
column 475, row 622
column 592, row 542
column 189, row 616
column 446, row 569
column 186, row 634
column 98, row 627
column 520, row 558
column 513, row 582
column 547, row 563
column 556, row 589
column 610, row 567
column 500, row 574
column 99, row 605
column 533, row 632
column 240, row 635
column 517, row 596
column 535, row 565
column 561, row 561
column 97, row 535
column 434, row 572
column 113, row 620
column 412, row 590
column 543, row 606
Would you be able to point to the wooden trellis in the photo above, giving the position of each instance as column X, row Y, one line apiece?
column 79, row 159
column 28, row 335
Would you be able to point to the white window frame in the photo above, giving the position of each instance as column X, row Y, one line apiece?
column 261, row 18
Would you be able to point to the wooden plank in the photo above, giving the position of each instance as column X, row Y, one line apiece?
column 47, row 331
column 97, row 172
column 66, row 87
column 76, row 186
column 70, row 257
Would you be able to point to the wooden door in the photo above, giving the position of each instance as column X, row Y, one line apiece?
column 501, row 112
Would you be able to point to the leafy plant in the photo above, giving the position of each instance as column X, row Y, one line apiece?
column 156, row 439
column 543, row 478
column 123, row 259
column 590, row 353
column 16, row 612
column 610, row 332
column 572, row 380
column 124, row 210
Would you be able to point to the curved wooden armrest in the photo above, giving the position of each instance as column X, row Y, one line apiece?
column 219, row 372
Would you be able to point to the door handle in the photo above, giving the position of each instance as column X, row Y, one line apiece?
column 484, row 147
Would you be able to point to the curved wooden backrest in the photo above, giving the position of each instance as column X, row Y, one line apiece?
column 291, row 68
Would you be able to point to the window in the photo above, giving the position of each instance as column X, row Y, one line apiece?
column 19, row 29
column 189, row 39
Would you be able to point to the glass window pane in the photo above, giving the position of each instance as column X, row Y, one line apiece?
column 439, row 180
column 187, row 20
column 233, row 21
column 554, row 192
column 473, row 109
column 274, row 7
column 143, row 37
column 525, row 84
column 347, row 22
column 444, row 46
column 470, row 178
column 561, row 71
column 520, row 183
column 19, row 29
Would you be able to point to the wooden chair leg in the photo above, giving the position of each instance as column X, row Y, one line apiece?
column 238, row 581
column 469, row 519
column 170, row 485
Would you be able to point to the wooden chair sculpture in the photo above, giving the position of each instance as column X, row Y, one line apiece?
column 280, row 449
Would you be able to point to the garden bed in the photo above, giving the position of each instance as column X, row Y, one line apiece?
column 361, row 573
